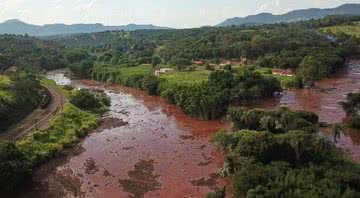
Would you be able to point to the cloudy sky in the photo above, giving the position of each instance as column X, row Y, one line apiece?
column 172, row 13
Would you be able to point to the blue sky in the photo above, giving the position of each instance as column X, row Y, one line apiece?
column 179, row 14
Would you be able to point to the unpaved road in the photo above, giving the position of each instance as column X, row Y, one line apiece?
column 39, row 118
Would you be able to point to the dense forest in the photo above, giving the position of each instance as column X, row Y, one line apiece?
column 125, row 58
column 29, row 53
column 280, row 154
column 275, row 153
column 290, row 45
column 20, row 93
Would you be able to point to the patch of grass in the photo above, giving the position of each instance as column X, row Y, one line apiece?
column 353, row 30
column 6, row 94
column 64, row 131
column 190, row 78
column 286, row 81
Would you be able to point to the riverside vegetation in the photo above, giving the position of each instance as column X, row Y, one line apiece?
column 279, row 154
column 74, row 122
column 269, row 154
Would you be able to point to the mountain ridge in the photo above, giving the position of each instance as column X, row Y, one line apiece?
column 16, row 26
column 292, row 16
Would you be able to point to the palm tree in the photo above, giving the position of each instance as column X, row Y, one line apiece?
column 337, row 129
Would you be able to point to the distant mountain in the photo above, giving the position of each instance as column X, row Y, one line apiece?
column 15, row 26
column 297, row 15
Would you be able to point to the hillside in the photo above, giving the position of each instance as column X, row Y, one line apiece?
column 15, row 26
column 29, row 53
column 352, row 30
column 293, row 16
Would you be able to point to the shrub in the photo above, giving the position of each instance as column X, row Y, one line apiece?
column 84, row 99
column 293, row 163
column 14, row 166
column 64, row 131
column 220, row 193
column 151, row 85
column 352, row 108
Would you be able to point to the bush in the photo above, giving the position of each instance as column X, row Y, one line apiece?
column 281, row 120
column 250, row 85
column 150, row 84
column 14, row 166
column 293, row 163
column 64, row 131
column 90, row 101
column 85, row 99
column 220, row 193
column 352, row 108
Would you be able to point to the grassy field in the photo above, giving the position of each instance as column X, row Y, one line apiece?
column 286, row 81
column 353, row 30
column 195, row 77
column 6, row 95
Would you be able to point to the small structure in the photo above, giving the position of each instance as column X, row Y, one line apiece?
column 164, row 71
column 283, row 72
column 198, row 62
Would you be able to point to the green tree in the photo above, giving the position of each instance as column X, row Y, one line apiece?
column 151, row 85
column 156, row 60
column 14, row 167
column 337, row 130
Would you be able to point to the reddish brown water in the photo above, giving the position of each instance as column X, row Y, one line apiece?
column 145, row 148
column 149, row 148
column 323, row 99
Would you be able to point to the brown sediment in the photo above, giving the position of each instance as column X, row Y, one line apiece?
column 111, row 123
column 183, row 159
column 210, row 182
column 90, row 166
column 141, row 179
column 112, row 164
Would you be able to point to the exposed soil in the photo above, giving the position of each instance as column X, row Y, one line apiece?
column 111, row 123
column 149, row 148
column 210, row 182
column 141, row 179
column 144, row 147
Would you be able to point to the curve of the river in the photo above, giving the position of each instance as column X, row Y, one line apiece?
column 145, row 147
column 149, row 148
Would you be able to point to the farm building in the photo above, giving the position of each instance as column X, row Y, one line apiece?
column 164, row 71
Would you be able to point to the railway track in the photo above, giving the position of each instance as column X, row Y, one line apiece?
column 38, row 119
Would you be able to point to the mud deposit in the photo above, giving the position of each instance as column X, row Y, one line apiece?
column 323, row 99
column 149, row 148
column 144, row 148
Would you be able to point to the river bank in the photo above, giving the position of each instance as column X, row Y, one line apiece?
column 144, row 148
column 323, row 100
column 147, row 147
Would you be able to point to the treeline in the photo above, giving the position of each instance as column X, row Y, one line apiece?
column 30, row 53
column 77, row 118
column 352, row 108
column 280, row 154
column 297, row 46
column 20, row 93
column 207, row 100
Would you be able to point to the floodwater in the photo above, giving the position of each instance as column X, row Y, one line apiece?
column 149, row 148
column 323, row 99
column 144, row 148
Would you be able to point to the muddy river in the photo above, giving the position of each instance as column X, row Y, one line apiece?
column 323, row 99
column 146, row 147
